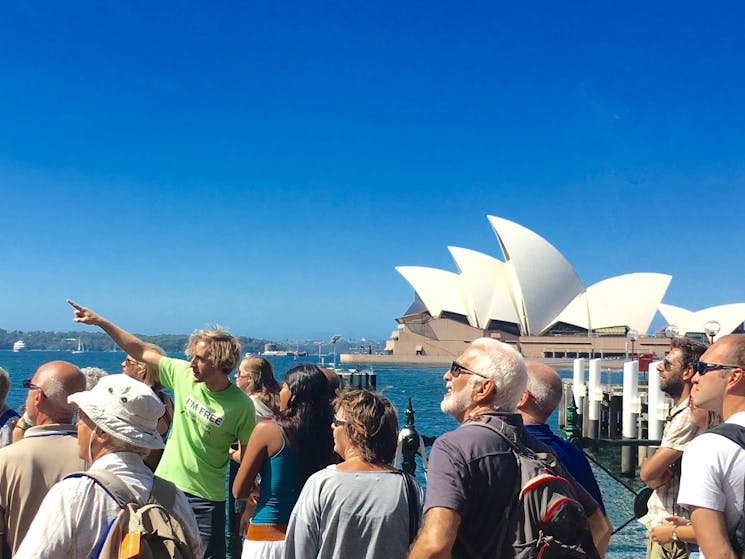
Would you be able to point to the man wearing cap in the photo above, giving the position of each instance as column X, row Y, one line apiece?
column 210, row 413
column 47, row 452
column 117, row 426
column 713, row 469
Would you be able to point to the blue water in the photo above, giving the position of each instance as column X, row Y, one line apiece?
column 424, row 385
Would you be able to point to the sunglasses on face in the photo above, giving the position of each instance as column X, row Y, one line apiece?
column 702, row 367
column 456, row 370
column 338, row 422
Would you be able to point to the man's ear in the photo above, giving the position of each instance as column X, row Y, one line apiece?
column 485, row 391
column 523, row 400
column 688, row 373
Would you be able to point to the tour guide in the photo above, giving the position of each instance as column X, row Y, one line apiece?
column 210, row 413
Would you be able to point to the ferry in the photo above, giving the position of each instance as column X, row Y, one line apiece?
column 271, row 350
column 20, row 345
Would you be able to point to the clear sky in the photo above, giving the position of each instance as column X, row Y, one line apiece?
column 266, row 165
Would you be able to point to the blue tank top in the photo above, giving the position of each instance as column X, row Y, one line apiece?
column 279, row 487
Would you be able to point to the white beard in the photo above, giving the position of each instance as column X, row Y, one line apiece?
column 456, row 403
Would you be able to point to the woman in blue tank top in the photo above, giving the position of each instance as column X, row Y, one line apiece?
column 285, row 452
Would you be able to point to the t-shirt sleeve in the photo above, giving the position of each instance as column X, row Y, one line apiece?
column 446, row 484
column 248, row 423
column 700, row 475
column 167, row 369
column 680, row 432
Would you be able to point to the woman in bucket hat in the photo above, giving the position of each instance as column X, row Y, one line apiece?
column 117, row 425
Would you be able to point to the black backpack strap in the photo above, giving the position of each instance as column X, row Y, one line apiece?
column 412, row 499
column 164, row 493
column 735, row 433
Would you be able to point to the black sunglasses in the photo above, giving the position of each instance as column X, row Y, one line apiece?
column 702, row 367
column 456, row 370
column 338, row 422
column 30, row 385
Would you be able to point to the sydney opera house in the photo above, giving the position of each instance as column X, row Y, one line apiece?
column 535, row 300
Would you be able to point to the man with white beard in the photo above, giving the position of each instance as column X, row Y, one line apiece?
column 471, row 470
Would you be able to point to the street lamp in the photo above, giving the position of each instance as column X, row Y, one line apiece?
column 333, row 341
column 632, row 336
column 671, row 331
column 712, row 329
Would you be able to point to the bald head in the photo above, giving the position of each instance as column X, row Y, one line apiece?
column 57, row 380
column 545, row 390
column 732, row 347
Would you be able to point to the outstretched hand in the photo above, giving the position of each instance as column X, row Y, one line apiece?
column 84, row 315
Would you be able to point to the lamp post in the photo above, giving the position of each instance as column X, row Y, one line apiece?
column 333, row 341
column 671, row 331
column 632, row 336
column 712, row 329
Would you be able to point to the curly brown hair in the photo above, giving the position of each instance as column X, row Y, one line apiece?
column 371, row 424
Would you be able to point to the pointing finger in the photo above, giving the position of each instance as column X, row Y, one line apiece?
column 74, row 305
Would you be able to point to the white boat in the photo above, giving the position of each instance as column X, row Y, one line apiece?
column 20, row 345
column 81, row 347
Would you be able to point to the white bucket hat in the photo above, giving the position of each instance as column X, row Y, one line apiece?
column 125, row 408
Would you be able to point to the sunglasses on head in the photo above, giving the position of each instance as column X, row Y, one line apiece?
column 703, row 367
column 30, row 385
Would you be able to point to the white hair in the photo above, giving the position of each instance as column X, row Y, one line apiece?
column 504, row 366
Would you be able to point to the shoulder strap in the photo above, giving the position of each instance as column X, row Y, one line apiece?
column 413, row 500
column 510, row 436
column 164, row 493
column 731, row 431
column 111, row 483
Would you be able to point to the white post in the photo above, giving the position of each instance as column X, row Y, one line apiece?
column 595, row 397
column 656, row 405
column 578, row 388
column 631, row 405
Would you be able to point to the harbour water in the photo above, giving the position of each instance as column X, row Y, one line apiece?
column 423, row 384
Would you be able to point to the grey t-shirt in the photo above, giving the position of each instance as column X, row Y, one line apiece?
column 342, row 514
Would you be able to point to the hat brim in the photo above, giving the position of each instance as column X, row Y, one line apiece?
column 125, row 431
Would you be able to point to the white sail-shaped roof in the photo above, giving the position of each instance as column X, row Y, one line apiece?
column 486, row 283
column 547, row 283
column 685, row 320
column 627, row 300
column 439, row 290
column 729, row 317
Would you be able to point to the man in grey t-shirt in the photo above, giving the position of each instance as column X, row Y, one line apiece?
column 469, row 469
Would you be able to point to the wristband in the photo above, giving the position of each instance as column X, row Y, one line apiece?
column 674, row 533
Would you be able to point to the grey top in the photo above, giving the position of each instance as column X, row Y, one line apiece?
column 345, row 514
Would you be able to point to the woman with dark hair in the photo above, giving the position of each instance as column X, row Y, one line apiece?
column 362, row 507
column 285, row 452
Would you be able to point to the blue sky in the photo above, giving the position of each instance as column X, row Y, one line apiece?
column 266, row 165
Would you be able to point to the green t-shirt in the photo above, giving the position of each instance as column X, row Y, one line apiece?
column 205, row 424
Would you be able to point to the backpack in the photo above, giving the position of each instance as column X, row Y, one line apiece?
column 736, row 434
column 147, row 530
column 548, row 520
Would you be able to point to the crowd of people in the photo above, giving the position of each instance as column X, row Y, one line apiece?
column 310, row 463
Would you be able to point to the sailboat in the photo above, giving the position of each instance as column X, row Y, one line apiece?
column 81, row 347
